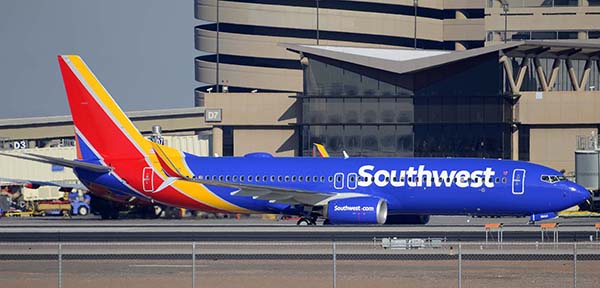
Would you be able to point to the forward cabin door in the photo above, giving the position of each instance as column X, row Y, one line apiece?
column 518, row 181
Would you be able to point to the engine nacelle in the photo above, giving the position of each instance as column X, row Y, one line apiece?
column 407, row 219
column 358, row 210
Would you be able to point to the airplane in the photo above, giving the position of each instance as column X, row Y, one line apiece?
column 112, row 155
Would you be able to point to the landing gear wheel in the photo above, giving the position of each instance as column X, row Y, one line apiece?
column 303, row 222
column 306, row 222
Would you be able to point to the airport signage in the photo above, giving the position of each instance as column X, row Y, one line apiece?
column 213, row 115
column 19, row 145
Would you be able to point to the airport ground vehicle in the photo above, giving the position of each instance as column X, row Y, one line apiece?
column 113, row 156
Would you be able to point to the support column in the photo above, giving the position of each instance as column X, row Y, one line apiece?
column 515, row 145
column 522, row 70
column 459, row 46
column 573, row 76
column 217, row 139
column 554, row 74
column 509, row 73
column 586, row 75
column 540, row 74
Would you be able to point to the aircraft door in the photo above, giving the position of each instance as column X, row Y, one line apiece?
column 352, row 181
column 518, row 181
column 338, row 181
column 148, row 179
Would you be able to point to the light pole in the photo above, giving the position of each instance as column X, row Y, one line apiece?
column 416, row 3
column 505, row 9
column 218, row 54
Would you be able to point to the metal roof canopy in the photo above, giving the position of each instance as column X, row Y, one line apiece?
column 401, row 61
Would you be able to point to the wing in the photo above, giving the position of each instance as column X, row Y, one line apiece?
column 272, row 194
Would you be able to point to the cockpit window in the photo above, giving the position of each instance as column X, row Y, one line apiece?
column 552, row 178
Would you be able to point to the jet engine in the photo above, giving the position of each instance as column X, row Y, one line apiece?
column 358, row 210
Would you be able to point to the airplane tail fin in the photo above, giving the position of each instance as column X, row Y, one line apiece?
column 102, row 129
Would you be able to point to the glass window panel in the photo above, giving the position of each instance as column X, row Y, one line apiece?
column 352, row 110
column 404, row 110
column 543, row 35
column 404, row 140
column 387, row 110
column 567, row 35
column 387, row 139
column 335, row 110
column 370, row 141
column 352, row 138
column 370, row 110
column 334, row 138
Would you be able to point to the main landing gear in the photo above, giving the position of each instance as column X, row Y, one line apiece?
column 307, row 221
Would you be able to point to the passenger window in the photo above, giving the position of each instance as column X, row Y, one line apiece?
column 272, row 178
column 264, row 178
column 330, row 178
column 351, row 178
column 503, row 179
column 545, row 178
column 235, row 178
column 300, row 178
column 316, row 179
column 554, row 179
column 242, row 178
column 293, row 178
column 227, row 178
column 279, row 178
column 497, row 180
column 287, row 178
column 257, row 178
column 250, row 178
column 307, row 178
column 221, row 178
column 322, row 178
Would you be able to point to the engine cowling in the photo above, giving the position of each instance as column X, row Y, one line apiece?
column 407, row 219
column 358, row 210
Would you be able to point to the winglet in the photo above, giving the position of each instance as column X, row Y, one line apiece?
column 167, row 163
column 319, row 150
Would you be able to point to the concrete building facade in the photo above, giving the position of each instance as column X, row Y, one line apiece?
column 241, row 36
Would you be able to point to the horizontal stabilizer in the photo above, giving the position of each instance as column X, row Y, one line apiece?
column 64, row 187
column 61, row 162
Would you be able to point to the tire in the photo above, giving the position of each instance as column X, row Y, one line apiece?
column 303, row 222
column 83, row 211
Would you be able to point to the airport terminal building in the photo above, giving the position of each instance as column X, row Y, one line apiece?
column 346, row 74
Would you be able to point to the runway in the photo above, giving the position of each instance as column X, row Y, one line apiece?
column 254, row 229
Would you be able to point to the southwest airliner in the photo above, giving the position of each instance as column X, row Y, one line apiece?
column 112, row 156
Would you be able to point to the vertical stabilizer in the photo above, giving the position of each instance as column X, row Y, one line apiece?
column 102, row 130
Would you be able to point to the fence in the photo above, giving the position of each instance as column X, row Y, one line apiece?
column 403, row 263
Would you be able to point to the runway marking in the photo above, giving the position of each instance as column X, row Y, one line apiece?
column 164, row 266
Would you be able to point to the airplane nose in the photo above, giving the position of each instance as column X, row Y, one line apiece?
column 578, row 193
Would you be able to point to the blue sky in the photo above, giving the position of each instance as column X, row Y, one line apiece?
column 141, row 50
